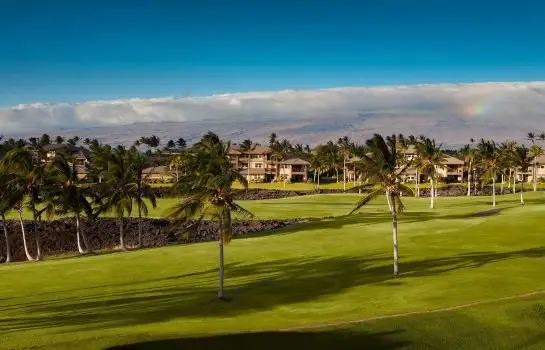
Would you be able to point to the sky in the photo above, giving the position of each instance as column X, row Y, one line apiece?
column 75, row 51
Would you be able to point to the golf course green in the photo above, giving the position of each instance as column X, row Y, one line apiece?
column 470, row 278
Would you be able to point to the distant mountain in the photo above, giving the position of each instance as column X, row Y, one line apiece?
column 452, row 113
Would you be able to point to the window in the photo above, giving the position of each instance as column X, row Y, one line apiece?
column 258, row 165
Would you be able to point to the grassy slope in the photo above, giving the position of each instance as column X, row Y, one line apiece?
column 303, row 275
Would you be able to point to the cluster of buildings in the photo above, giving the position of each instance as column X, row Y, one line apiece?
column 259, row 165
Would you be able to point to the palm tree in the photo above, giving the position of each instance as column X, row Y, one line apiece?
column 279, row 152
column 345, row 146
column 25, row 181
column 246, row 147
column 429, row 160
column 206, row 192
column 66, row 193
column 536, row 151
column 181, row 143
column 120, row 188
column 318, row 165
column 490, row 159
column 143, row 190
column 522, row 159
column 6, row 204
column 382, row 175
column 468, row 153
column 273, row 138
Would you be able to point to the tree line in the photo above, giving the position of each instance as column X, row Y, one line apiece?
column 204, row 184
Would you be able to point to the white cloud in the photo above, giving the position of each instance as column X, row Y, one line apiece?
column 470, row 106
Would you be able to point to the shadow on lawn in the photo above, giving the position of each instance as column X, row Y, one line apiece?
column 252, row 287
column 279, row 340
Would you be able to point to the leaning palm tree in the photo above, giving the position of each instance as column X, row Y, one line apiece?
column 65, row 193
column 522, row 159
column 429, row 160
column 206, row 192
column 26, row 178
column 381, row 174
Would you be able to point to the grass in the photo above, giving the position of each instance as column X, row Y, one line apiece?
column 307, row 274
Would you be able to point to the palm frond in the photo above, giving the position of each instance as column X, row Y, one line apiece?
column 366, row 199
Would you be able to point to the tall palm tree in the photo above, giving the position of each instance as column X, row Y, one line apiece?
column 345, row 146
column 206, row 192
column 522, row 159
column 468, row 153
column 429, row 160
column 382, row 175
column 6, row 204
column 65, row 193
column 247, row 147
column 120, row 188
column 490, row 159
column 143, row 190
column 279, row 152
column 27, row 174
column 536, row 151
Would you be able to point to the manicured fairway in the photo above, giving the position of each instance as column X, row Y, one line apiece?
column 315, row 273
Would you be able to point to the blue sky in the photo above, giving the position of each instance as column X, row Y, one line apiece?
column 55, row 51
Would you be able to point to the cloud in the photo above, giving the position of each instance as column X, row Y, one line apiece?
column 494, row 106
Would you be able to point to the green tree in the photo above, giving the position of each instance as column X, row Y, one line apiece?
column 65, row 193
column 429, row 159
column 345, row 148
column 206, row 192
column 247, row 147
column 381, row 176
column 24, row 179
column 522, row 159
column 536, row 151
column 119, row 188
column 490, row 159
column 144, row 191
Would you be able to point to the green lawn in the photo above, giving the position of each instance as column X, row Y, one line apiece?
column 304, row 275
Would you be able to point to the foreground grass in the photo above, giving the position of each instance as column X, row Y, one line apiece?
column 307, row 274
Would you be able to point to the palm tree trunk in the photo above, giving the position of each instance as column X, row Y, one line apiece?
column 6, row 236
column 78, row 235
column 222, row 262
column 85, row 240
column 534, row 175
column 417, row 184
column 36, row 233
column 139, row 220
column 318, row 188
column 344, row 173
column 432, row 193
column 502, row 181
column 25, row 245
column 388, row 199
column 394, row 236
column 521, row 193
column 337, row 172
column 121, row 236
column 494, row 190
column 469, row 181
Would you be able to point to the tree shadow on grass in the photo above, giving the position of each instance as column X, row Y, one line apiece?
column 279, row 340
column 253, row 288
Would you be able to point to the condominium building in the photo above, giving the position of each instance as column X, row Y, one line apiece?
column 258, row 165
